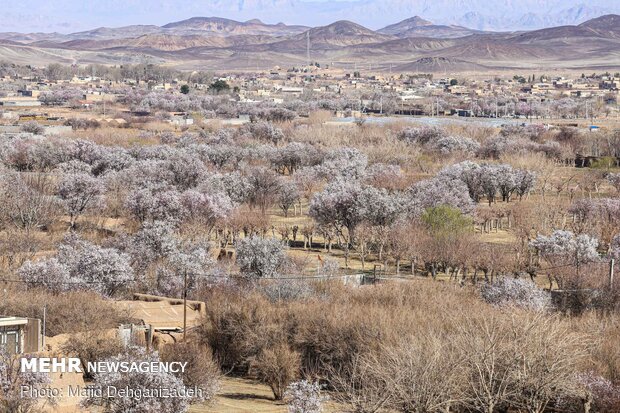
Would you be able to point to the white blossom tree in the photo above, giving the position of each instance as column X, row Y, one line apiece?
column 344, row 163
column 80, row 264
column 517, row 292
column 260, row 257
column 176, row 400
column 304, row 397
column 338, row 206
column 12, row 397
column 79, row 192
column 288, row 195
column 440, row 190
column 614, row 180
column 48, row 273
column 451, row 144
column 206, row 208
column 565, row 249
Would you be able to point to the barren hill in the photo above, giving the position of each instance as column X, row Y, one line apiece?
column 412, row 44
column 418, row 27
column 221, row 26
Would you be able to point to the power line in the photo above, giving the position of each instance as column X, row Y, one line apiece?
column 303, row 277
column 284, row 278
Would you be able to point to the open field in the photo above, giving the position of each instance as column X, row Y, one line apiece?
column 241, row 395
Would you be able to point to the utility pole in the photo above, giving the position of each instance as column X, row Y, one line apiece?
column 308, row 47
column 44, row 325
column 184, row 305
column 611, row 274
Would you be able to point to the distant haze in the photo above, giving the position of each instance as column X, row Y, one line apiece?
column 67, row 16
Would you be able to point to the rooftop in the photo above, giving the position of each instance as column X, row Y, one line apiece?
column 6, row 321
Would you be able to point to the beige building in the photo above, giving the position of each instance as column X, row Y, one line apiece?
column 20, row 335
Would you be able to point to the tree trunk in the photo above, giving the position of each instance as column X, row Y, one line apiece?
column 587, row 403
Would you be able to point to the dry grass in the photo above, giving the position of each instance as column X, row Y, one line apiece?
column 239, row 395
column 242, row 395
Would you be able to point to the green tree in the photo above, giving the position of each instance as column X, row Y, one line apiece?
column 185, row 89
column 447, row 232
column 454, row 82
column 445, row 220
column 219, row 86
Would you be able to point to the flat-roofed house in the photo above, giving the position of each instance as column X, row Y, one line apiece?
column 20, row 335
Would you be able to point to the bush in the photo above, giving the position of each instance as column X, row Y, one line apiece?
column 12, row 397
column 93, row 346
column 304, row 397
column 516, row 292
column 70, row 312
column 33, row 127
column 200, row 372
column 142, row 382
column 289, row 289
column 239, row 327
column 278, row 367
column 260, row 257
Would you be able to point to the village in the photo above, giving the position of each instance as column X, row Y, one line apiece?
column 239, row 221
column 347, row 94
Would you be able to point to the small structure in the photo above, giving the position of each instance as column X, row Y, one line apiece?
column 20, row 335
column 181, row 119
column 161, row 319
column 19, row 101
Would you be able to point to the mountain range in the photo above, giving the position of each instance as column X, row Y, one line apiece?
column 67, row 16
column 414, row 44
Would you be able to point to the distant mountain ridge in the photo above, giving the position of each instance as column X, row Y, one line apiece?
column 419, row 27
column 497, row 15
column 219, row 43
column 221, row 25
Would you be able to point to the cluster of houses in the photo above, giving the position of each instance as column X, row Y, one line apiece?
column 409, row 94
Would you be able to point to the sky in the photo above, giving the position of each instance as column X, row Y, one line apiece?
column 67, row 16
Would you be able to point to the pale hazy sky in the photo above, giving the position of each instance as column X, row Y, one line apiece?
column 76, row 15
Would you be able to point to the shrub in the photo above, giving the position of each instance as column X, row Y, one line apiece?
column 260, row 257
column 70, row 312
column 516, row 292
column 32, row 127
column 81, row 265
column 240, row 325
column 139, row 382
column 304, row 397
column 12, row 397
column 200, row 372
column 278, row 367
column 93, row 346
column 287, row 289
